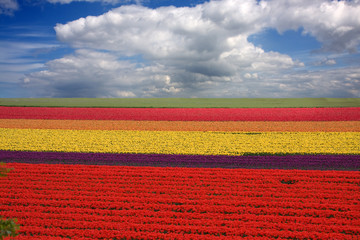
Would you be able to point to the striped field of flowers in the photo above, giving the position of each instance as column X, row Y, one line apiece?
column 181, row 173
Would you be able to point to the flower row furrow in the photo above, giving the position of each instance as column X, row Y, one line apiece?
column 237, row 190
column 217, row 193
column 146, row 201
column 119, row 175
column 184, row 114
column 171, row 217
column 173, row 225
column 250, row 190
column 178, row 232
column 167, row 227
column 136, row 209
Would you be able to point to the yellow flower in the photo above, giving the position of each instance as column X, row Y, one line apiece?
column 180, row 142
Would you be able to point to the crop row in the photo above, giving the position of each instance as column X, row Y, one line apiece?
column 321, row 162
column 232, row 126
column 112, row 202
column 184, row 114
column 177, row 142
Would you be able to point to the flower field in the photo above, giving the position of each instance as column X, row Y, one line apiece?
column 184, row 114
column 181, row 173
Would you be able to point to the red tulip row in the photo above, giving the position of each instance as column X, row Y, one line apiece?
column 164, row 231
column 183, row 114
column 110, row 202
column 169, row 217
column 216, row 206
column 252, row 225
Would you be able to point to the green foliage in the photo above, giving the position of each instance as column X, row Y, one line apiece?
column 182, row 102
column 8, row 227
column 3, row 170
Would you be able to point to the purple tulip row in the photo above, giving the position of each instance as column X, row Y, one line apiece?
column 320, row 162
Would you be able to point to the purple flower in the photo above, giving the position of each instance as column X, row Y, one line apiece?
column 316, row 162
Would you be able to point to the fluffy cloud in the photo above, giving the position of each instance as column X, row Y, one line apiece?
column 88, row 73
column 206, row 27
column 334, row 23
column 85, row 73
column 8, row 6
column 200, row 51
column 166, row 32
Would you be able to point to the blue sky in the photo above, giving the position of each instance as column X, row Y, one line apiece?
column 194, row 48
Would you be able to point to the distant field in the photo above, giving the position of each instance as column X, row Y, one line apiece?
column 182, row 102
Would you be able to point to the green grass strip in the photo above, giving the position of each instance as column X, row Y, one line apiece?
column 182, row 102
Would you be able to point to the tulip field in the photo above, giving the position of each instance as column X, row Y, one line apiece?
column 181, row 172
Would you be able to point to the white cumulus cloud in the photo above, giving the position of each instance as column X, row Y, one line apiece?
column 336, row 24
column 199, row 51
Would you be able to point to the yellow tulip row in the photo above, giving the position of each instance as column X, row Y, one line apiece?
column 178, row 142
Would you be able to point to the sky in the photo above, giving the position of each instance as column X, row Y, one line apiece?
column 179, row 48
